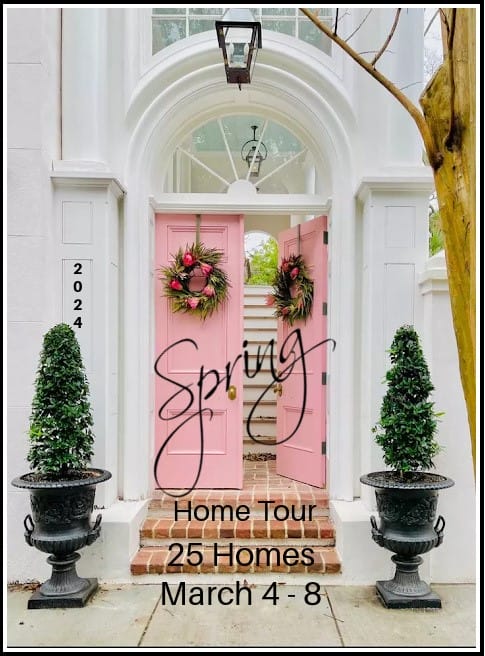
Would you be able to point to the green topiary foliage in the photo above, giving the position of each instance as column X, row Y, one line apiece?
column 61, row 437
column 407, row 425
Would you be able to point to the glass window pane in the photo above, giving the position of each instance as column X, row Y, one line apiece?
column 201, row 25
column 164, row 33
column 209, row 11
column 311, row 34
column 172, row 11
column 279, row 12
column 282, row 26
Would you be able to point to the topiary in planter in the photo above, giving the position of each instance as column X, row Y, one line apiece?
column 62, row 485
column 407, row 496
column 61, row 436
column 408, row 423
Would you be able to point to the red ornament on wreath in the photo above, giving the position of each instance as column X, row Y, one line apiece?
column 292, row 295
column 194, row 282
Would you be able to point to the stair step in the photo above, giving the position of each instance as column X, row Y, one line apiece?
column 155, row 529
column 266, row 407
column 264, row 359
column 262, row 379
column 258, row 310
column 266, row 412
column 257, row 290
column 263, row 445
column 253, row 341
column 164, row 505
column 253, row 392
column 261, row 429
column 247, row 558
column 269, row 322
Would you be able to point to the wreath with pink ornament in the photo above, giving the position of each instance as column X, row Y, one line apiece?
column 292, row 295
column 195, row 282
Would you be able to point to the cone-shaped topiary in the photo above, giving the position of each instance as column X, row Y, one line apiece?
column 407, row 425
column 61, row 437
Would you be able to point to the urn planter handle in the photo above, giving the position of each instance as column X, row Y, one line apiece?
column 29, row 529
column 439, row 527
column 93, row 534
column 376, row 534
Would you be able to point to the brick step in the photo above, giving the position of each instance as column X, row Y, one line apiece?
column 167, row 511
column 159, row 528
column 246, row 558
column 282, row 494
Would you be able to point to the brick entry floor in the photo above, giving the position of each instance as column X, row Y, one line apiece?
column 274, row 543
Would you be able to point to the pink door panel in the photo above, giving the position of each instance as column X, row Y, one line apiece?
column 198, row 439
column 302, row 456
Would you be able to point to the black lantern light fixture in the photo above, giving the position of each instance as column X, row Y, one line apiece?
column 250, row 151
column 239, row 36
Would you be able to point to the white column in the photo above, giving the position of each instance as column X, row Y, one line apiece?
column 407, row 46
column 394, row 250
column 137, row 349
column 456, row 504
column 84, row 85
column 86, row 253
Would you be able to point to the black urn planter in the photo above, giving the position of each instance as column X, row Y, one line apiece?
column 60, row 524
column 407, row 512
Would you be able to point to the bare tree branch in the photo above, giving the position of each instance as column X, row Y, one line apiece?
column 372, row 52
column 358, row 26
column 431, row 22
column 389, row 37
column 434, row 155
column 445, row 27
column 411, row 84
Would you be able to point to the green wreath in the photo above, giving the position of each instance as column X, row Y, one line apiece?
column 202, row 263
column 292, row 295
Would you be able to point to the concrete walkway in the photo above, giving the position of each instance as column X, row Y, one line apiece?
column 339, row 617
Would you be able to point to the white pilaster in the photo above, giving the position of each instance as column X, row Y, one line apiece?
column 456, row 504
column 84, row 85
column 86, row 235
column 394, row 250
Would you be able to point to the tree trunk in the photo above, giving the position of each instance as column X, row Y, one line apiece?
column 449, row 103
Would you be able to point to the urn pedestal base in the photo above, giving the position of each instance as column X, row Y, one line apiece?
column 392, row 600
column 64, row 589
column 73, row 600
column 406, row 589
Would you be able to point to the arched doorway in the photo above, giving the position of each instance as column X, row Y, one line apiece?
column 170, row 118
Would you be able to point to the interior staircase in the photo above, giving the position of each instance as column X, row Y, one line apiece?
column 259, row 328
column 273, row 524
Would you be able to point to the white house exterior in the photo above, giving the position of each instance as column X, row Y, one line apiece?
column 98, row 135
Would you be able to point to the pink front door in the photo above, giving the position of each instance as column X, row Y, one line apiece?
column 197, row 426
column 301, row 409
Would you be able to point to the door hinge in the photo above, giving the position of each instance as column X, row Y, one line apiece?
column 324, row 309
column 324, row 378
column 325, row 237
column 324, row 448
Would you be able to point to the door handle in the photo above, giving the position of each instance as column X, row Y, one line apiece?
column 278, row 389
column 232, row 392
